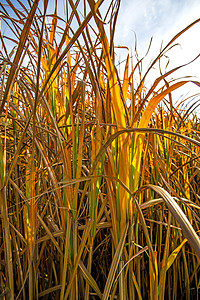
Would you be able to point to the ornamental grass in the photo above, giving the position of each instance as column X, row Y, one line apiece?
column 99, row 167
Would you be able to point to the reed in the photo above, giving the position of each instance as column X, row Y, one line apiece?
column 99, row 172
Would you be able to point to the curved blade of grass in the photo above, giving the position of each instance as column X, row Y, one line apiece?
column 155, row 100
column 181, row 218
column 134, row 256
column 150, row 203
column 155, row 84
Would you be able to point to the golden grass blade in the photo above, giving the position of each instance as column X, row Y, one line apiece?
column 151, row 203
column 145, row 119
column 174, row 254
column 79, row 162
column 114, row 265
column 154, row 102
column 5, row 222
column 122, row 292
column 124, row 165
column 125, row 85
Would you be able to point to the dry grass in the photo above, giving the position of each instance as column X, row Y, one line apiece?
column 99, row 198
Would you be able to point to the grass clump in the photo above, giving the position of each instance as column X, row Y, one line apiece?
column 99, row 174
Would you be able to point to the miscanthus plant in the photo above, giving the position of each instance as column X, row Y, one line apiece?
column 99, row 174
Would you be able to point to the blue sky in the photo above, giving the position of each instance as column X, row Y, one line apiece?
column 158, row 18
column 161, row 19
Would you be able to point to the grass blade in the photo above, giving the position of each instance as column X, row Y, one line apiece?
column 114, row 265
column 181, row 218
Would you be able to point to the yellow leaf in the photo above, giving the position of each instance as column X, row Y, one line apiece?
column 126, row 79
column 116, row 100
column 174, row 254
column 154, row 102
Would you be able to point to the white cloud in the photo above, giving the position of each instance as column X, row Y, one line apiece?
column 162, row 20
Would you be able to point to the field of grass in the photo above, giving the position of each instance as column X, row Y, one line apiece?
column 99, row 172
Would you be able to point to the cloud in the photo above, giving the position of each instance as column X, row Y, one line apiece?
column 163, row 20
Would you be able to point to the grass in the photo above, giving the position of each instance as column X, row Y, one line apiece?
column 99, row 172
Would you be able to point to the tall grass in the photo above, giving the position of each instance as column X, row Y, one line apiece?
column 99, row 173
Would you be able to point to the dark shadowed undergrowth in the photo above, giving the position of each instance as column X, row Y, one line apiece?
column 99, row 173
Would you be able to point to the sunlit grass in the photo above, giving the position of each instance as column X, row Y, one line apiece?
column 99, row 171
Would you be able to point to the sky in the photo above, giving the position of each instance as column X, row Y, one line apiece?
column 162, row 20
